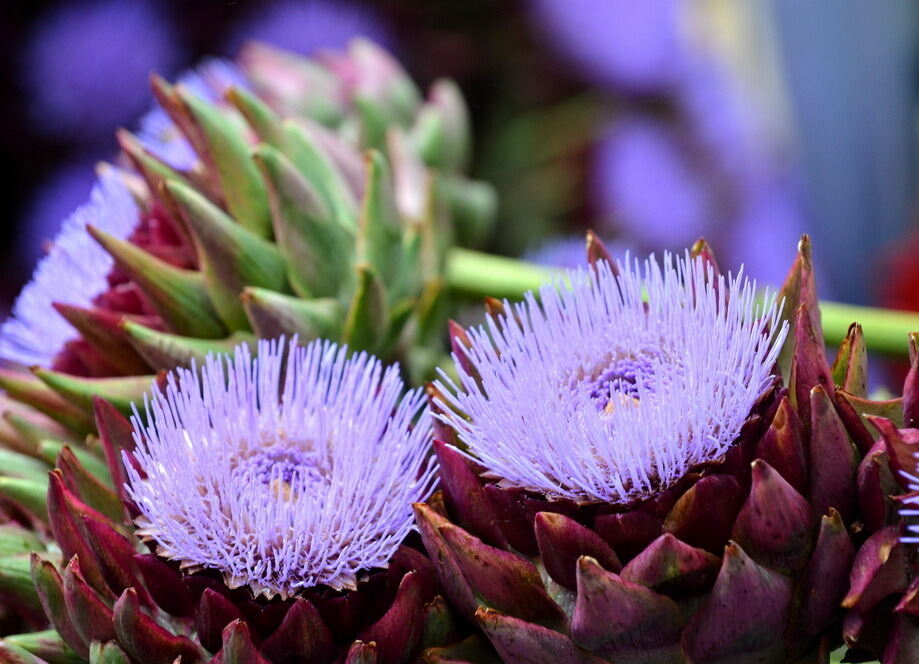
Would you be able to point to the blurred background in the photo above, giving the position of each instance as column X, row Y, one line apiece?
column 652, row 122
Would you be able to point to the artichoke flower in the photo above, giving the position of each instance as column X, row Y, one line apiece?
column 626, row 477
column 274, row 495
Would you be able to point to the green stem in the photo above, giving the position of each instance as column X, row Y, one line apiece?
column 477, row 273
column 886, row 330
column 481, row 274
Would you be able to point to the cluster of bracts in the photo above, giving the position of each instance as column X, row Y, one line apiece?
column 781, row 551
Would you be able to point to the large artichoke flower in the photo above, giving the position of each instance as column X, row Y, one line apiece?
column 626, row 478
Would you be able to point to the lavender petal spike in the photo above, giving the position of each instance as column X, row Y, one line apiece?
column 293, row 469
column 912, row 536
column 610, row 388
column 74, row 271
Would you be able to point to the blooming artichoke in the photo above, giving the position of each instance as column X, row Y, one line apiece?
column 626, row 478
column 274, row 495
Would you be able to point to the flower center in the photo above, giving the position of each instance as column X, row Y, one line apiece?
column 281, row 466
column 620, row 379
column 624, row 376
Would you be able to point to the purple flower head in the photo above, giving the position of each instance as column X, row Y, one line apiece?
column 308, row 27
column 294, row 469
column 74, row 272
column 82, row 51
column 160, row 136
column 621, row 383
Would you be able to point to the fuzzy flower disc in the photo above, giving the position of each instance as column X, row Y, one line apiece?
column 294, row 469
column 611, row 387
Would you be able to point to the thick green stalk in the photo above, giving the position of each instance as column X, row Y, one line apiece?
column 477, row 273
column 885, row 330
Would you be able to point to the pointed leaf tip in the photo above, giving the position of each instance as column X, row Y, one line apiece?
column 774, row 525
column 620, row 619
column 517, row 640
column 147, row 641
column 223, row 147
column 501, row 579
column 317, row 248
column 178, row 295
column 231, row 256
column 563, row 541
column 368, row 314
column 745, row 614
column 597, row 251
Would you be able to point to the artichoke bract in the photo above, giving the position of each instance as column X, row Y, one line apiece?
column 627, row 478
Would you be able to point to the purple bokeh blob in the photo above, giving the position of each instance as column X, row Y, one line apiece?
column 628, row 44
column 53, row 200
column 82, row 52
column 307, row 27
column 646, row 184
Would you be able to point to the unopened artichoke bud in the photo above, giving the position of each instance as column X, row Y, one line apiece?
column 626, row 477
column 262, row 513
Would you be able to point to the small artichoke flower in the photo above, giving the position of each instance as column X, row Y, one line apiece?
column 277, row 196
column 627, row 477
column 271, row 498
column 308, row 490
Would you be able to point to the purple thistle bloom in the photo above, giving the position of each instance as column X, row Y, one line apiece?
column 618, row 393
column 74, row 271
column 282, row 474
column 160, row 136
